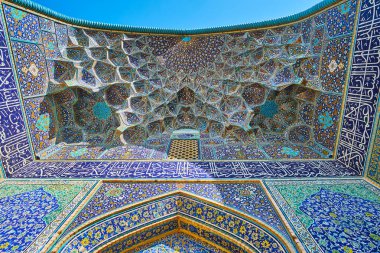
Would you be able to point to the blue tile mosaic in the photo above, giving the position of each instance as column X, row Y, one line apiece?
column 86, row 98
column 31, row 212
column 111, row 227
column 362, row 96
column 142, row 72
column 363, row 90
column 14, row 145
column 331, row 215
column 184, row 170
column 36, row 204
column 22, row 25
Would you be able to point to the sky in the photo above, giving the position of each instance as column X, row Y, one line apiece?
column 178, row 14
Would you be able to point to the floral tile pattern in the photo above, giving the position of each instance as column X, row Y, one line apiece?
column 32, row 211
column 338, row 224
column 247, row 232
column 331, row 215
column 187, row 242
column 273, row 94
column 126, row 89
column 31, row 68
column 18, row 235
column 247, row 198
column 22, row 25
column 178, row 243
column 327, row 120
column 325, row 37
column 40, row 122
column 112, row 196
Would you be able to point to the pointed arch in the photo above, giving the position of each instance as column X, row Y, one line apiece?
column 177, row 224
column 120, row 223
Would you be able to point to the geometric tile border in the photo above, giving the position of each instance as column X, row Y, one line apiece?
column 184, row 170
column 373, row 161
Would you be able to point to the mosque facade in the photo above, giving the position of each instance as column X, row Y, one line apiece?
column 262, row 137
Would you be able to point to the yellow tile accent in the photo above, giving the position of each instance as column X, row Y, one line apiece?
column 183, row 149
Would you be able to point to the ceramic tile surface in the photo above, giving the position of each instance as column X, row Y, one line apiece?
column 31, row 212
column 363, row 89
column 295, row 106
column 246, row 198
column 15, row 151
column 312, row 136
column 246, row 230
column 373, row 170
column 185, row 170
column 116, row 91
column 178, row 242
column 331, row 215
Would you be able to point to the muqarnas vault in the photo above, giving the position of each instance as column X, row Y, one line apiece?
column 261, row 137
column 272, row 93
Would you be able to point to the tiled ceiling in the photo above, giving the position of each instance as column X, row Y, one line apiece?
column 256, row 95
